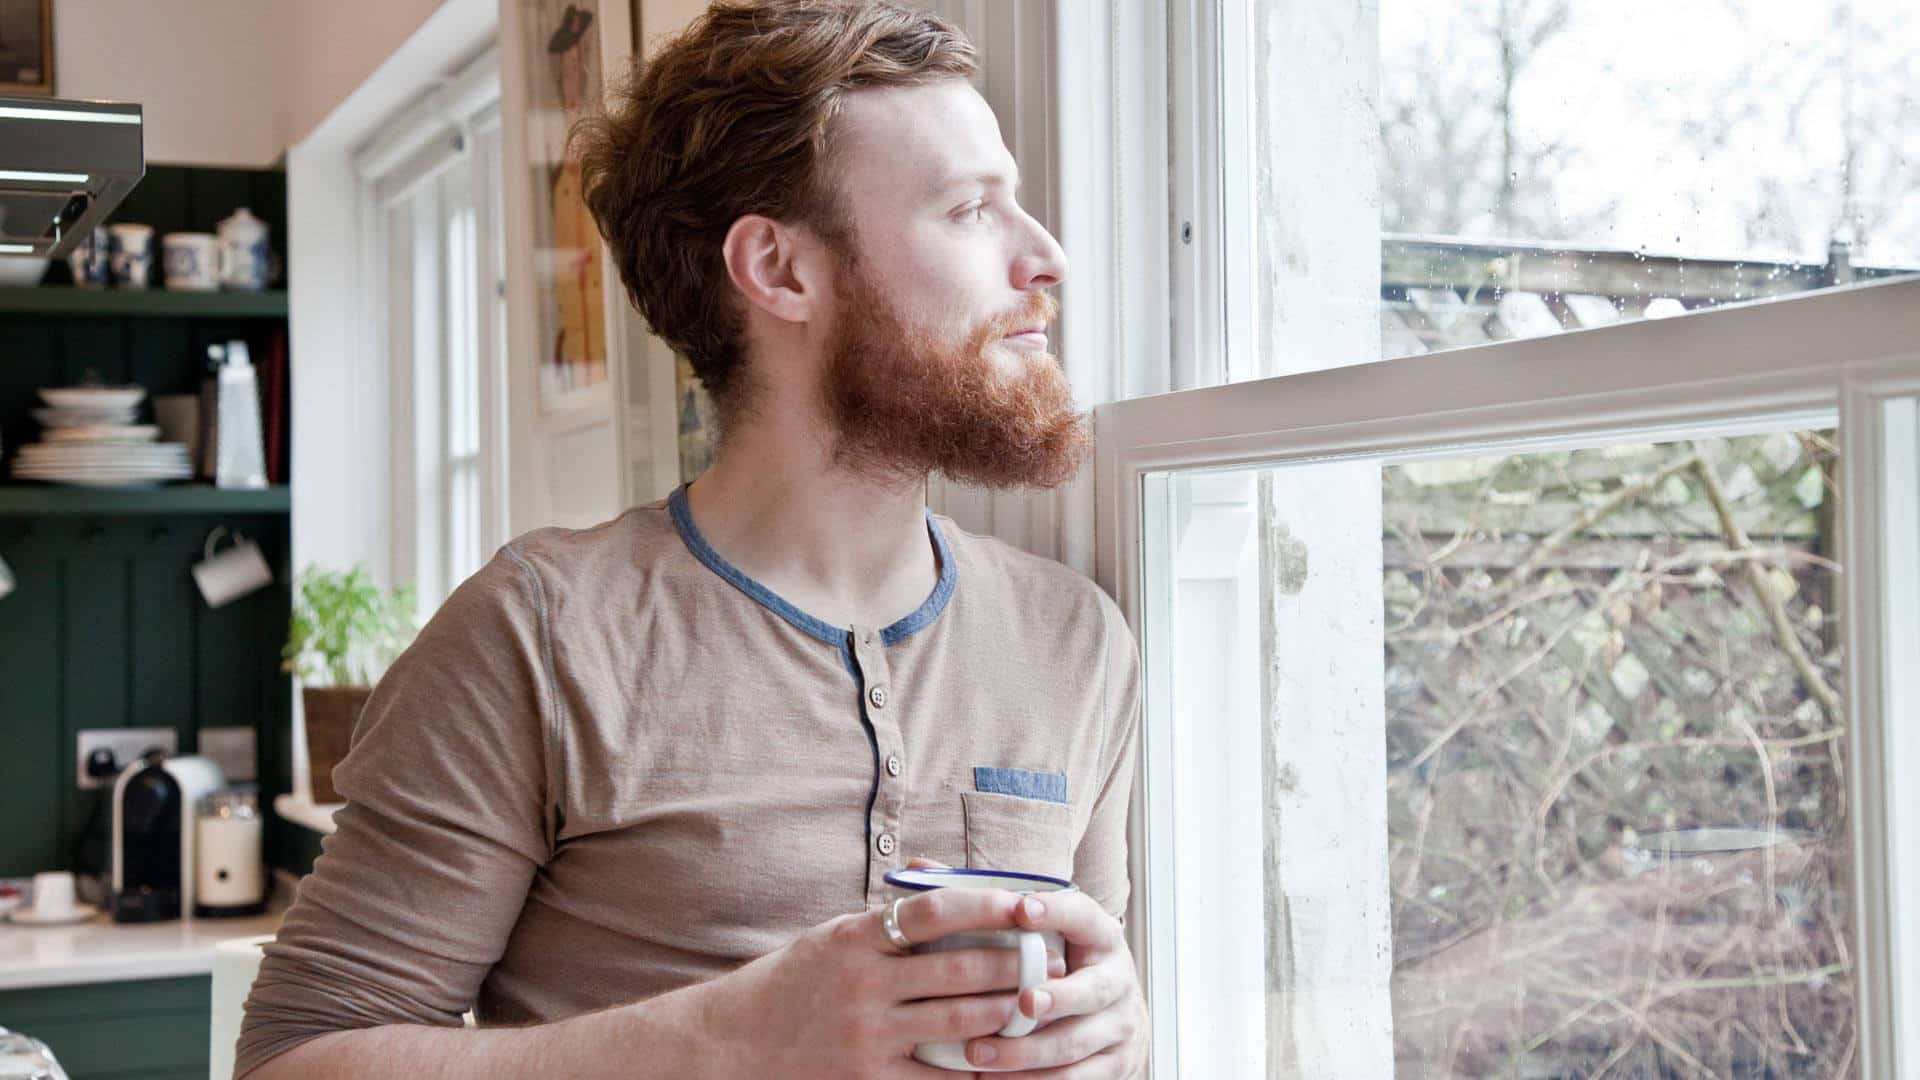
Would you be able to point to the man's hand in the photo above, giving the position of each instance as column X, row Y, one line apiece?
column 1096, row 1016
column 841, row 1002
column 1101, row 1028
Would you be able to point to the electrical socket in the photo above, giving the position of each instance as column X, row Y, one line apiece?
column 127, row 745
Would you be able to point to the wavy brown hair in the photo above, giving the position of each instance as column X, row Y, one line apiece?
column 736, row 116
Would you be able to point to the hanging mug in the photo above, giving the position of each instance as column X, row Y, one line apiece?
column 233, row 573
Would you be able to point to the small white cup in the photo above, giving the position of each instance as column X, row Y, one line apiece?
column 233, row 573
column 1032, row 945
column 53, row 893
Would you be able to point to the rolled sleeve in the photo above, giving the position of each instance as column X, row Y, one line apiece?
column 448, row 817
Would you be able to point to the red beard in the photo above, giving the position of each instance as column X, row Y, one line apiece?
column 904, row 401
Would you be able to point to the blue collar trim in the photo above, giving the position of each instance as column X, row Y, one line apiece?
column 918, row 620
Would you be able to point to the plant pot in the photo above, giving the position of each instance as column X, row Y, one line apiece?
column 332, row 712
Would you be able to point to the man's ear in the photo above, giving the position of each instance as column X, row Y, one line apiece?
column 773, row 266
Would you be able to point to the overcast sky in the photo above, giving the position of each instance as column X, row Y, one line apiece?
column 1712, row 127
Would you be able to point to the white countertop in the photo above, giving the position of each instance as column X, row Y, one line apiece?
column 101, row 950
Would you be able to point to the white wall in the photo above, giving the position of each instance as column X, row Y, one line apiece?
column 226, row 82
column 207, row 72
column 664, row 18
column 333, row 46
column 342, row 427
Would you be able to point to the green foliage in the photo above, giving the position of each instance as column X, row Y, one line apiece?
column 345, row 630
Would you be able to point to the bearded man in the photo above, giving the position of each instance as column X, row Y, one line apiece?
column 633, row 795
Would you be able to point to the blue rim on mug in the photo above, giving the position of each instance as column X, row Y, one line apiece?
column 896, row 878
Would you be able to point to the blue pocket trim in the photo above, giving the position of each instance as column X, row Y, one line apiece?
column 1025, row 783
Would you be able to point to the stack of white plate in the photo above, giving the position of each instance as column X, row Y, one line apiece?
column 91, row 439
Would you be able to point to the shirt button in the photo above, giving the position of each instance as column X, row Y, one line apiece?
column 878, row 695
column 885, row 843
column 893, row 764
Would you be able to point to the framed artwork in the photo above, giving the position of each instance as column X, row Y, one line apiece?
column 26, row 47
column 561, row 46
column 601, row 413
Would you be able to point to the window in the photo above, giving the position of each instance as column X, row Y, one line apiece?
column 1520, row 701
column 1532, row 167
column 435, row 179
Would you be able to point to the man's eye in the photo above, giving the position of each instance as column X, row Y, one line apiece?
column 974, row 214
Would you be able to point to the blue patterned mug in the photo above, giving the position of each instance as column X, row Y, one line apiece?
column 132, row 254
column 192, row 261
column 88, row 260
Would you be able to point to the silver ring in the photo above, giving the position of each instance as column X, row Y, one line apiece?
column 890, row 922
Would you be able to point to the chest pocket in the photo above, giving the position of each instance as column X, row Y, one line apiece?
column 1011, row 832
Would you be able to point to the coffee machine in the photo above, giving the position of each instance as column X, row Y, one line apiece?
column 153, row 835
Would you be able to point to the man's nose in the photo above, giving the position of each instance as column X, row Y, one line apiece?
column 1042, row 264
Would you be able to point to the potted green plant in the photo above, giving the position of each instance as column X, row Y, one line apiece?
column 343, row 633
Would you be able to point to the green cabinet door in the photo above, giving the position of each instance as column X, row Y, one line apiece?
column 149, row 1029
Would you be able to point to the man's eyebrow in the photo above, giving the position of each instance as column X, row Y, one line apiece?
column 989, row 179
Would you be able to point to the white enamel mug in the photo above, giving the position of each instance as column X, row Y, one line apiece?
column 233, row 573
column 1033, row 946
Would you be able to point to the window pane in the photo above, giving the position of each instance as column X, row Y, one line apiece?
column 1545, row 753
column 1554, row 164
column 1900, row 686
column 1549, row 165
column 462, row 431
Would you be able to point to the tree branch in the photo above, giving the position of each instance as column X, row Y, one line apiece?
column 1783, row 632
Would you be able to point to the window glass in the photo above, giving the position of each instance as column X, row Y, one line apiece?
column 1545, row 754
column 1551, row 165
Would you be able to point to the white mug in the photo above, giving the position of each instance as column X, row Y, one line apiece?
column 53, row 893
column 233, row 573
column 1032, row 945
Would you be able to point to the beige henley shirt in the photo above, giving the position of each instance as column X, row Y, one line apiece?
column 612, row 765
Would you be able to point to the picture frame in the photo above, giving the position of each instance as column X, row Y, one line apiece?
column 582, row 451
column 564, row 58
column 26, row 47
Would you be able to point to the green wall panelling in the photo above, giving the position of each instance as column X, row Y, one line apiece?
column 107, row 629
column 147, row 1028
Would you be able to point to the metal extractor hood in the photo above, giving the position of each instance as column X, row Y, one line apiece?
column 64, row 166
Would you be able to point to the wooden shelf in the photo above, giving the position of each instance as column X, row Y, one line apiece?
column 66, row 300
column 20, row 499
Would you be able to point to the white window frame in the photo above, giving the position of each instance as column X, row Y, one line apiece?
column 447, row 129
column 1839, row 354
